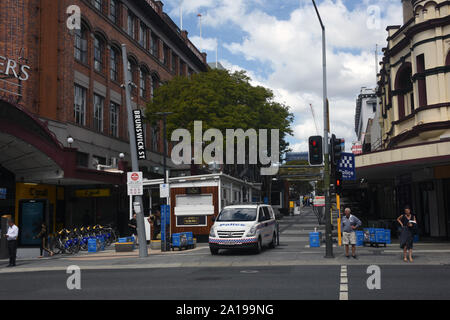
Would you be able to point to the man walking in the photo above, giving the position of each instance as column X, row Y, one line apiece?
column 11, row 236
column 349, row 225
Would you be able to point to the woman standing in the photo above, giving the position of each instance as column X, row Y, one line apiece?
column 43, row 235
column 408, row 224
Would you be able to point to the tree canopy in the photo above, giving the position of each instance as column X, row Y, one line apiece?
column 221, row 100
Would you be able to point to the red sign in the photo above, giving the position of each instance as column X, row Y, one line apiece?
column 135, row 177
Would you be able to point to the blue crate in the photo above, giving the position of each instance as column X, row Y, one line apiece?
column 359, row 238
column 387, row 236
column 314, row 239
column 92, row 245
column 380, row 236
column 123, row 240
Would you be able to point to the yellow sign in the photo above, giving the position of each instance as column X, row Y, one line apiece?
column 291, row 204
column 93, row 193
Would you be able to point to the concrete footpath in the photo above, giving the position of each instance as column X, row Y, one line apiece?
column 293, row 250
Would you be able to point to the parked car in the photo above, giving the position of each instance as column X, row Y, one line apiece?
column 244, row 226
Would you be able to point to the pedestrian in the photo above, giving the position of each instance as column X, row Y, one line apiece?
column 408, row 225
column 349, row 225
column 43, row 235
column 11, row 236
column 132, row 224
column 156, row 224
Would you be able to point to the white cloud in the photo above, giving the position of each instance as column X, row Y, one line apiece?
column 291, row 48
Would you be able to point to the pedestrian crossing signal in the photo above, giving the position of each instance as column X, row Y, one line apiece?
column 315, row 151
column 338, row 182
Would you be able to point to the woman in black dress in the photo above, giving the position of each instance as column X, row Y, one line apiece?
column 408, row 223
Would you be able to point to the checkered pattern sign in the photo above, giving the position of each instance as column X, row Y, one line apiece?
column 347, row 166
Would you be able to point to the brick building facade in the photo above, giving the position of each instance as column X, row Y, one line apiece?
column 58, row 82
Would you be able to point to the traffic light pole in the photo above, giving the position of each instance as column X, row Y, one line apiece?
column 326, row 178
column 134, row 159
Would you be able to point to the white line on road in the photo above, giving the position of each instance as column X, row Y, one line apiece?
column 343, row 288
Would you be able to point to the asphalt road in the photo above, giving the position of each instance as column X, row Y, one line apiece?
column 273, row 283
column 236, row 275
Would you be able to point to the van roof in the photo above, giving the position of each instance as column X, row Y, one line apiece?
column 250, row 205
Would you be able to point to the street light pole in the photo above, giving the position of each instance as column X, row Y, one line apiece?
column 326, row 178
column 133, row 152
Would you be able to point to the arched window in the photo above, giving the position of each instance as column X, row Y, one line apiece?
column 81, row 44
column 404, row 89
column 99, row 53
column 114, row 64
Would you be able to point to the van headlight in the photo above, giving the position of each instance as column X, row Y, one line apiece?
column 251, row 232
column 212, row 232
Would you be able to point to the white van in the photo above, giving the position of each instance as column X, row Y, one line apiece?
column 244, row 226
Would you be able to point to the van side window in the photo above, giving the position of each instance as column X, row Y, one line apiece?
column 267, row 213
column 261, row 215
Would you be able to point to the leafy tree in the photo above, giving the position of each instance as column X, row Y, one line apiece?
column 221, row 100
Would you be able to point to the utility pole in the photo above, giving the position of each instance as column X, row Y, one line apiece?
column 133, row 152
column 200, row 24
column 326, row 176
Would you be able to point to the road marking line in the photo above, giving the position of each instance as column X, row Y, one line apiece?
column 343, row 287
column 343, row 296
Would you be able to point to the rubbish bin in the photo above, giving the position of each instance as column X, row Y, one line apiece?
column 314, row 239
column 3, row 242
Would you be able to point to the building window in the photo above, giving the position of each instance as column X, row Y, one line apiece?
column 114, row 11
column 98, row 113
column 403, row 88
column 165, row 55
column 114, row 119
column 143, row 75
column 131, row 24
column 154, row 85
column 80, row 105
column 80, row 44
column 143, row 35
column 99, row 49
column 190, row 72
column 447, row 60
column 182, row 68
column 98, row 4
column 114, row 65
column 174, row 62
column 82, row 159
column 421, row 81
column 154, row 48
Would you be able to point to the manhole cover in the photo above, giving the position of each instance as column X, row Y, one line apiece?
column 249, row 271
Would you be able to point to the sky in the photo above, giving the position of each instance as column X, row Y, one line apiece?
column 278, row 43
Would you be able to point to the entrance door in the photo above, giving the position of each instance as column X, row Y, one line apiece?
column 447, row 204
column 31, row 215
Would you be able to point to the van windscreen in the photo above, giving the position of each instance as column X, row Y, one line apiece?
column 237, row 214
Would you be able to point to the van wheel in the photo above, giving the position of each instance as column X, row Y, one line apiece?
column 258, row 248
column 274, row 241
column 214, row 251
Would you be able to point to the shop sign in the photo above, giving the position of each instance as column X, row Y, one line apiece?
column 11, row 68
column 193, row 190
column 93, row 193
column 191, row 221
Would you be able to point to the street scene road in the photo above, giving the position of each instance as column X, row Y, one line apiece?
column 291, row 271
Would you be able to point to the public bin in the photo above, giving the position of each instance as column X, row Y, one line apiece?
column 314, row 239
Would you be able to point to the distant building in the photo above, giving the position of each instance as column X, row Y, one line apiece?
column 366, row 107
column 296, row 156
column 216, row 65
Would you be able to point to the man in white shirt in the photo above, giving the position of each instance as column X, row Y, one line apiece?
column 11, row 236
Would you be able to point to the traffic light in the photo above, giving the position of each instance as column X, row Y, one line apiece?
column 336, row 150
column 315, row 151
column 338, row 182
